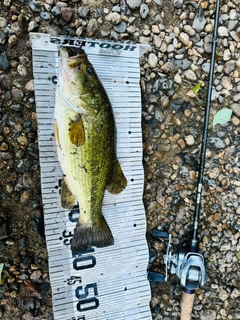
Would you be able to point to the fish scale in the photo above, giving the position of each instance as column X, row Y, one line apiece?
column 88, row 175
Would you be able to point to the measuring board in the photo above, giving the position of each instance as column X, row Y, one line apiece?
column 101, row 283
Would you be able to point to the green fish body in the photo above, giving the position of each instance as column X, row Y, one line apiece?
column 85, row 139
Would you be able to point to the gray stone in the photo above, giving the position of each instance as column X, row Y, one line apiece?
column 23, row 276
column 208, row 43
column 199, row 20
column 236, row 97
column 32, row 26
column 189, row 30
column 229, row 66
column 170, row 48
column 208, row 47
column 121, row 27
column 216, row 142
column 189, row 139
column 144, row 10
column 156, row 86
column 222, row 31
column 184, row 38
column 4, row 64
column 233, row 14
column 45, row 15
column 23, row 164
column 3, row 22
column 9, row 31
column 163, row 47
column 99, row 13
column 116, row 9
column 6, row 155
column 235, row 35
column 30, row 85
column 229, row 256
column 226, row 83
column 169, row 67
column 56, row 11
column 236, row 109
column 114, row 35
column 3, row 38
column 115, row 18
column 206, row 67
column 159, row 2
column 7, row 3
column 198, row 307
column 17, row 94
column 177, row 3
column 152, row 60
column 83, row 11
column 196, row 38
column 35, row 6
column 226, row 55
column 190, row 75
column 16, row 107
column 92, row 27
column 232, row 24
column 223, row 295
column 235, row 294
column 182, row 64
column 214, row 95
column 67, row 13
column 21, row 70
column 209, row 315
column 134, row 4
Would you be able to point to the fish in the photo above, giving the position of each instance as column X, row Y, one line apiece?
column 85, row 136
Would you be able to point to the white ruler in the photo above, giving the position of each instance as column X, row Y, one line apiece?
column 103, row 283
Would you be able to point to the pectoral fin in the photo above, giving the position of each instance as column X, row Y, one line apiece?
column 76, row 131
column 67, row 198
column 119, row 181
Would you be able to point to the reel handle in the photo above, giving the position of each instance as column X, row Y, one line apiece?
column 187, row 305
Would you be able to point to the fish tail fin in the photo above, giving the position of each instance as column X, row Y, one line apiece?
column 98, row 235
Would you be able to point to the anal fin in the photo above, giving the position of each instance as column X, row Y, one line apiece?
column 119, row 181
column 67, row 198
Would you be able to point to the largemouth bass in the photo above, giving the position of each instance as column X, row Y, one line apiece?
column 85, row 139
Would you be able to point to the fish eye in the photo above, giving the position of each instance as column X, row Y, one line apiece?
column 90, row 70
column 81, row 66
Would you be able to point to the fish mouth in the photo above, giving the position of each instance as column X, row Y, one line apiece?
column 71, row 52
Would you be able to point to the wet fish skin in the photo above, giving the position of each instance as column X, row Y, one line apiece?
column 85, row 138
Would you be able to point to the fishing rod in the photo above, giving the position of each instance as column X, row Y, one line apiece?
column 187, row 263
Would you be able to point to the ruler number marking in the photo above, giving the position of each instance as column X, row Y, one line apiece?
column 80, row 262
column 86, row 291
column 88, row 301
column 73, row 279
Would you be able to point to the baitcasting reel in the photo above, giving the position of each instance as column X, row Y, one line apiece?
column 186, row 264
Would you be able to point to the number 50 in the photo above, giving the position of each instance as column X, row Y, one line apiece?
column 85, row 303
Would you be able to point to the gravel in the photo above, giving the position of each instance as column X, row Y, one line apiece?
column 180, row 36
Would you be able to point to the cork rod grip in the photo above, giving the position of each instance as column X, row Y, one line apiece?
column 187, row 306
